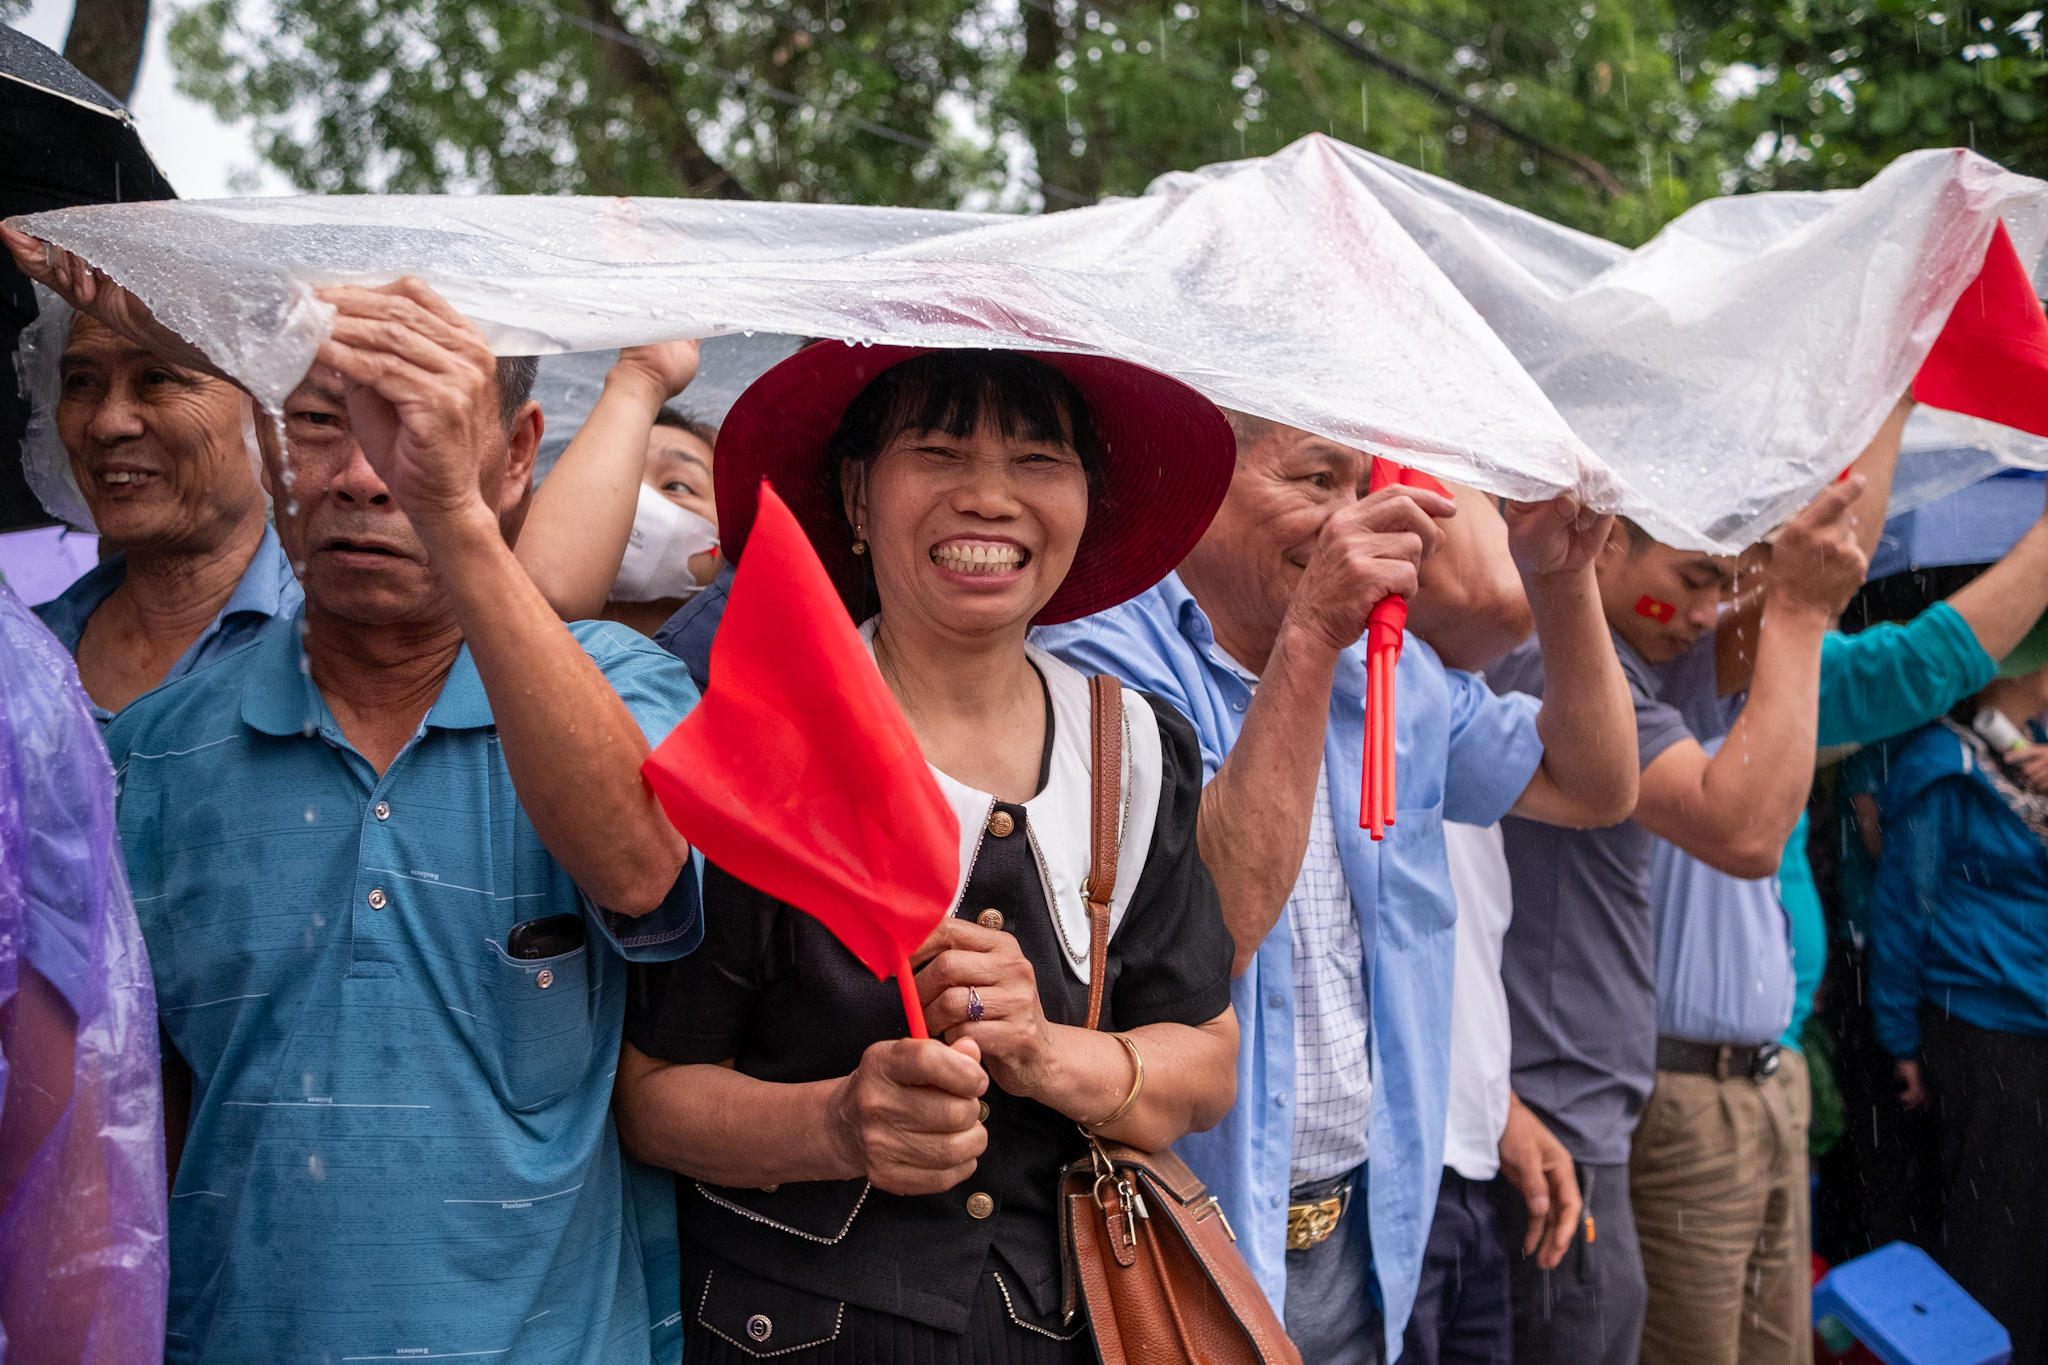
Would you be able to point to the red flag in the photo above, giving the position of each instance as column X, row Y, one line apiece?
column 798, row 773
column 1991, row 359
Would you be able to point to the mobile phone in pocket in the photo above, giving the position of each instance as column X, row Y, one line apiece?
column 550, row 937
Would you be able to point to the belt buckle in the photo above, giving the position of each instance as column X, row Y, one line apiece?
column 1764, row 1062
column 1311, row 1224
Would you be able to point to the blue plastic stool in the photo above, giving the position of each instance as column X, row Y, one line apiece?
column 1907, row 1310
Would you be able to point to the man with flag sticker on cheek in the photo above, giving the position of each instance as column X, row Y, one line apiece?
column 1581, row 958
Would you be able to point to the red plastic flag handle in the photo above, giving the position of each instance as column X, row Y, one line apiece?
column 913, row 1008
column 1382, row 654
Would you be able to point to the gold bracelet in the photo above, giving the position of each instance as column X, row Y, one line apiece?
column 1137, row 1084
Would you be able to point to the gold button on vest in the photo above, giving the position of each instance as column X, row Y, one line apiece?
column 990, row 918
column 980, row 1206
column 1000, row 824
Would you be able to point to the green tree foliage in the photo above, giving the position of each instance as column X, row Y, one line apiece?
column 1574, row 110
column 1825, row 93
column 841, row 102
column 1609, row 115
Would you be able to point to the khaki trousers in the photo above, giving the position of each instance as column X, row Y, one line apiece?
column 1718, row 1183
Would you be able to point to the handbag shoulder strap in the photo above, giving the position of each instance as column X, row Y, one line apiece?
column 1106, row 713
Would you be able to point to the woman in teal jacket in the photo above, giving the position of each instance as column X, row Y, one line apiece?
column 1959, row 991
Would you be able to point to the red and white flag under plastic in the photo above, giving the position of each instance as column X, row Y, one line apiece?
column 798, row 774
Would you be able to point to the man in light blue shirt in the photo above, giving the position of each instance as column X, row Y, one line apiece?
column 157, row 451
column 391, row 863
column 1257, row 639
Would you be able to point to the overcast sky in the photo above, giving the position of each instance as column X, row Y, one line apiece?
column 196, row 150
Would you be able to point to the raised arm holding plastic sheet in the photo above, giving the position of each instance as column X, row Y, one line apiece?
column 1733, row 810
column 583, row 513
column 421, row 398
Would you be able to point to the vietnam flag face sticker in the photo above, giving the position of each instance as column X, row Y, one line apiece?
column 1660, row 612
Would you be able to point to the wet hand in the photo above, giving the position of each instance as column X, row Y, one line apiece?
column 908, row 1117
column 423, row 398
column 1557, row 537
column 1817, row 562
column 1537, row 1164
column 88, row 290
column 660, row 370
column 970, row 965
column 1912, row 1091
column 2033, row 765
column 1365, row 553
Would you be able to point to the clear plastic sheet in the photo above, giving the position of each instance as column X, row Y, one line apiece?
column 569, row 384
column 83, row 1262
column 1943, row 452
column 1709, row 382
column 43, row 461
column 1732, row 365
column 1287, row 291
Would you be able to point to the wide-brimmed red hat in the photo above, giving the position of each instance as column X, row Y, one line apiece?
column 1167, row 456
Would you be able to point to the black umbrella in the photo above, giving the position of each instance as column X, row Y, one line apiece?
column 68, row 142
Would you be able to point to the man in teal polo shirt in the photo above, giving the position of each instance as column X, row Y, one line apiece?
column 391, row 865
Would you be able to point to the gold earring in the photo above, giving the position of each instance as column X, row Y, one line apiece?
column 860, row 544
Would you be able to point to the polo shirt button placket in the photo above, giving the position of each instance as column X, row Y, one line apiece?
column 378, row 900
column 382, row 810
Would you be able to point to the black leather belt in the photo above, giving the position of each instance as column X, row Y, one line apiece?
column 1719, row 1060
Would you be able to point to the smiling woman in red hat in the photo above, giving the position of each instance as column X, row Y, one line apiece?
column 850, row 1193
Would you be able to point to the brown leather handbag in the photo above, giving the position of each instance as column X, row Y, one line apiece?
column 1147, row 1248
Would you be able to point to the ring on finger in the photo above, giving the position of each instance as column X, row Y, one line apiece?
column 975, row 1009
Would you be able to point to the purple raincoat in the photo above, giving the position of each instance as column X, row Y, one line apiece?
column 84, row 1267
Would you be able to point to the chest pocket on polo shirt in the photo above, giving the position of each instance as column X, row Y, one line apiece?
column 543, row 1010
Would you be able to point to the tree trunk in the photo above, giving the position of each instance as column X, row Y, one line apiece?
column 105, row 42
column 1065, row 181
column 648, row 82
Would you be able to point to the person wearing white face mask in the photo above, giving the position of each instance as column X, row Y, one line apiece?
column 595, row 553
column 672, row 553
